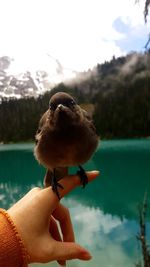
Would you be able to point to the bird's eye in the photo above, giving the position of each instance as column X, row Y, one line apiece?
column 52, row 106
column 72, row 102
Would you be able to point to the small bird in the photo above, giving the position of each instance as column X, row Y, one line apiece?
column 66, row 137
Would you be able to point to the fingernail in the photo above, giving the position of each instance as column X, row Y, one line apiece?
column 95, row 172
column 86, row 255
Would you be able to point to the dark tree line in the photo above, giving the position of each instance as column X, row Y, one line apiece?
column 125, row 112
column 118, row 90
column 19, row 118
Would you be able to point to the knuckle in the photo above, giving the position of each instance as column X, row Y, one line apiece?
column 35, row 189
column 77, row 180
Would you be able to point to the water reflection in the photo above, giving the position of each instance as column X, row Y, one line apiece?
column 10, row 193
column 105, row 213
column 104, row 235
column 112, row 241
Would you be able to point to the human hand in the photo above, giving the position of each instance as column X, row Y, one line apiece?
column 35, row 217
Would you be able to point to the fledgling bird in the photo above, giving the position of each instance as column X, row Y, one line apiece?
column 66, row 137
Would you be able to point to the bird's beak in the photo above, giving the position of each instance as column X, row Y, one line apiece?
column 61, row 107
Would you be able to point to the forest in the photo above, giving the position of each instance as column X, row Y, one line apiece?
column 117, row 93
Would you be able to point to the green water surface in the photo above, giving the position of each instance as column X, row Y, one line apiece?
column 105, row 214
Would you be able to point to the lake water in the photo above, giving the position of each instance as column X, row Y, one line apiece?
column 105, row 213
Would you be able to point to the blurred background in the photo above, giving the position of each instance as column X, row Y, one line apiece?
column 98, row 51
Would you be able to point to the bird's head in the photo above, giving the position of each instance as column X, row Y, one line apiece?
column 61, row 101
column 63, row 108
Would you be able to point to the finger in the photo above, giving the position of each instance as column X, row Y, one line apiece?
column 72, row 181
column 66, row 251
column 62, row 214
column 69, row 183
column 54, row 231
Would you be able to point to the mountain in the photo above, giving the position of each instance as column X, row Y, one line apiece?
column 27, row 83
column 104, row 77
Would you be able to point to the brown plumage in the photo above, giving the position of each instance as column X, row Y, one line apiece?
column 66, row 137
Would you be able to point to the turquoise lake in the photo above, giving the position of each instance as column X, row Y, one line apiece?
column 105, row 213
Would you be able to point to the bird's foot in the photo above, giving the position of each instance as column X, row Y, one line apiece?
column 55, row 186
column 83, row 177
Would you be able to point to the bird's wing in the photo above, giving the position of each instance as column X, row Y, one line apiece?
column 89, row 119
column 41, row 124
column 87, row 115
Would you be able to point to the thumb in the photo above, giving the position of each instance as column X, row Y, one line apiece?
column 68, row 251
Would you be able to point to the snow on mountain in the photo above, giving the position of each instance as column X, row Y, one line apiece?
column 29, row 83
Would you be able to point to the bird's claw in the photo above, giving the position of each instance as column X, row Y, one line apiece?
column 83, row 177
column 55, row 186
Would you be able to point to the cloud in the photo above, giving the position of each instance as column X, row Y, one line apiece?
column 130, row 64
column 111, row 241
column 134, row 37
column 78, row 33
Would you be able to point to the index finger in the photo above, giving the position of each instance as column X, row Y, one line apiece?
column 72, row 181
column 69, row 182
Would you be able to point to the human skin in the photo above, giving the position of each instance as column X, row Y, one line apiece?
column 36, row 217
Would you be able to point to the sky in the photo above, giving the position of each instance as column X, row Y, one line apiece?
column 73, row 34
